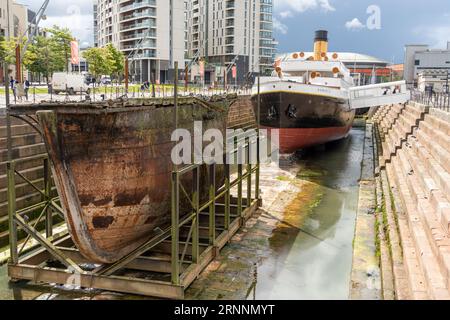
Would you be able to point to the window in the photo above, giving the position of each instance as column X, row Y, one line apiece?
column 417, row 62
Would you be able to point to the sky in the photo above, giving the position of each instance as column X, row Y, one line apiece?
column 379, row 28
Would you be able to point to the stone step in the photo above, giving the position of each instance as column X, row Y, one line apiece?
column 23, row 152
column 414, row 111
column 429, row 239
column 441, row 155
column 401, row 285
column 21, row 202
column 24, row 202
column 438, row 124
column 14, row 121
column 23, row 165
column 436, row 171
column 416, row 278
column 381, row 113
column 17, row 130
column 21, row 140
column 30, row 174
column 439, row 136
column 432, row 191
column 22, row 189
column 390, row 119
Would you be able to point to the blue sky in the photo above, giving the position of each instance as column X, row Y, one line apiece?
column 402, row 22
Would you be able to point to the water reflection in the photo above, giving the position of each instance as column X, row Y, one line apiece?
column 312, row 254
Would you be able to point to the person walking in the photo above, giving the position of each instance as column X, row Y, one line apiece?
column 26, row 87
column 12, row 84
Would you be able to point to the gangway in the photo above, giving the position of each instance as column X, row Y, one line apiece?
column 379, row 95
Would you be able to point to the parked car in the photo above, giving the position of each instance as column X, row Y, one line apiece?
column 70, row 83
column 105, row 80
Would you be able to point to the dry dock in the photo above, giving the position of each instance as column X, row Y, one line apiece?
column 298, row 246
column 365, row 218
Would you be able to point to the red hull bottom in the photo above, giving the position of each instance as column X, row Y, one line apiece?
column 295, row 139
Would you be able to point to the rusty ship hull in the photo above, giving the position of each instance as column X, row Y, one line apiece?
column 112, row 168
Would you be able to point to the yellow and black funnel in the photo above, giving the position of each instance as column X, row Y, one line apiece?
column 321, row 45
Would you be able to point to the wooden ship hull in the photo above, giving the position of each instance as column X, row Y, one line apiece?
column 112, row 168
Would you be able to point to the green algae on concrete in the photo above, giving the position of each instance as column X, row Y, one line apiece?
column 365, row 278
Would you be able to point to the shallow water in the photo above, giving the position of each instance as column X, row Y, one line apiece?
column 312, row 254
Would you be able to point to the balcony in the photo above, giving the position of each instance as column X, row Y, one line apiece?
column 138, row 5
column 141, row 25
column 138, row 35
column 137, row 15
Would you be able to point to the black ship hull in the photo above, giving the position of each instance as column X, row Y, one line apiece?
column 305, row 119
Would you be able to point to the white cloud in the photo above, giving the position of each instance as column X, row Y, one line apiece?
column 354, row 24
column 302, row 5
column 280, row 27
column 286, row 14
column 76, row 15
column 81, row 26
column 437, row 36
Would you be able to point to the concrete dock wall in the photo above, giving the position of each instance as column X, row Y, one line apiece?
column 414, row 166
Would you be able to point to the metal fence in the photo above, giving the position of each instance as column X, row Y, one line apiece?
column 37, row 94
column 433, row 100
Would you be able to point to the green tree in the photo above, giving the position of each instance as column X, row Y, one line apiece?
column 8, row 52
column 2, row 49
column 42, row 59
column 59, row 46
column 115, row 59
column 98, row 61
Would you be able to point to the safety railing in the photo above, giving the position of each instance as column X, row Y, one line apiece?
column 433, row 100
column 19, row 219
column 179, row 191
column 36, row 94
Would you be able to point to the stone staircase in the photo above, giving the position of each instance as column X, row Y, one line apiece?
column 26, row 143
column 416, row 162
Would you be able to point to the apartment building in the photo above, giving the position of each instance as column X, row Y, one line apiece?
column 150, row 32
column 95, row 23
column 231, row 32
column 14, row 19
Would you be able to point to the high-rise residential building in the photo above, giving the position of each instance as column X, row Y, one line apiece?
column 150, row 32
column 95, row 23
column 231, row 32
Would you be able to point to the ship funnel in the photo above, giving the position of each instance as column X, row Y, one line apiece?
column 321, row 45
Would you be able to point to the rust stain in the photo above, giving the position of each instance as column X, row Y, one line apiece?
column 112, row 165
column 102, row 222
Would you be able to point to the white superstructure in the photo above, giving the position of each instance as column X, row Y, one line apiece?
column 332, row 79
